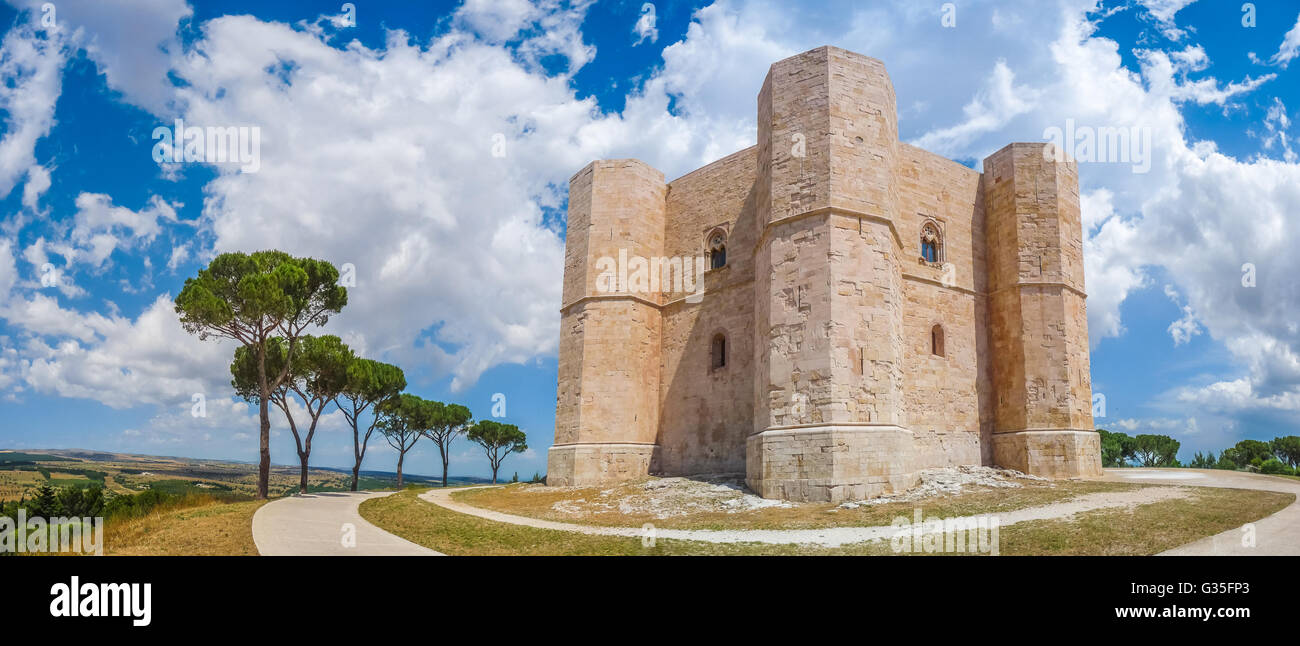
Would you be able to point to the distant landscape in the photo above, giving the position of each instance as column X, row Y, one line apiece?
column 22, row 472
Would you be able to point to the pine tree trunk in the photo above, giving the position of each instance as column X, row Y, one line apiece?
column 302, row 485
column 264, row 417
column 264, row 465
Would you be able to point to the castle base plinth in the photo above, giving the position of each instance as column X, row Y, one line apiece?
column 1050, row 454
column 579, row 465
column 830, row 463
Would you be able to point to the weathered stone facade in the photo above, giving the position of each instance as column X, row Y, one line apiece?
column 880, row 309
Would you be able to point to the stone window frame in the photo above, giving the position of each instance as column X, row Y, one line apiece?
column 714, row 233
column 718, row 351
column 940, row 245
column 938, row 340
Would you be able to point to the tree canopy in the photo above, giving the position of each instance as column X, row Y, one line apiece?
column 369, row 383
column 447, row 423
column 1116, row 448
column 252, row 298
column 402, row 419
column 1287, row 449
column 1246, row 453
column 1156, row 450
column 498, row 441
column 244, row 370
column 246, row 297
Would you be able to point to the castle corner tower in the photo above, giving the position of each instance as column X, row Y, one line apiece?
column 607, row 400
column 1038, row 327
column 829, row 422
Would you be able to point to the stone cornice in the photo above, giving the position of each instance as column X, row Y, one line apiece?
column 939, row 284
column 830, row 210
column 621, row 296
column 644, row 301
column 1042, row 283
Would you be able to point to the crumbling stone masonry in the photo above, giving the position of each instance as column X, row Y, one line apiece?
column 878, row 310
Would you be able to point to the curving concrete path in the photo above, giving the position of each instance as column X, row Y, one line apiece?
column 1276, row 535
column 319, row 524
column 824, row 537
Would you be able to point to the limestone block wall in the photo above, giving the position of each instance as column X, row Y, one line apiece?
column 830, row 463
column 943, row 395
column 792, row 283
column 793, row 341
column 866, row 324
column 707, row 413
column 947, row 398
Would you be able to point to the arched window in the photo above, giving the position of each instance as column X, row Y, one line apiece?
column 936, row 340
column 931, row 243
column 717, row 250
column 718, row 354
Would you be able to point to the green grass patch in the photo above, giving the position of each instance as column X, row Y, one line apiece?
column 427, row 524
column 1146, row 529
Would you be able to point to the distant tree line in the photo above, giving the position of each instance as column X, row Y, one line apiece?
column 1280, row 456
column 266, row 301
column 48, row 501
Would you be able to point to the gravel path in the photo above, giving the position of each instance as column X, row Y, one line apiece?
column 828, row 537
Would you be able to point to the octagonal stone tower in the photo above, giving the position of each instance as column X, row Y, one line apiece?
column 829, row 422
column 607, row 405
column 869, row 309
column 1039, row 323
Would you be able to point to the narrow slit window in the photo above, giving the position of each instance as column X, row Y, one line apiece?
column 719, row 352
column 936, row 340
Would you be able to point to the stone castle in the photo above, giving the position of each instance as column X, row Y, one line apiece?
column 828, row 311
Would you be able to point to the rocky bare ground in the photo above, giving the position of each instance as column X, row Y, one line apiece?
column 726, row 493
column 949, row 481
column 672, row 496
column 826, row 536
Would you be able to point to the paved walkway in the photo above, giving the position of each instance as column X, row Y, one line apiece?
column 1276, row 535
column 826, row 537
column 320, row 524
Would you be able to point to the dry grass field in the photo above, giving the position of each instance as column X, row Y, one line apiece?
column 199, row 527
column 456, row 534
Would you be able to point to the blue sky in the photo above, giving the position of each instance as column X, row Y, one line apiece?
column 377, row 150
